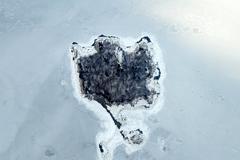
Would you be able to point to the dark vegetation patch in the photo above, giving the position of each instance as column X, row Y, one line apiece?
column 111, row 82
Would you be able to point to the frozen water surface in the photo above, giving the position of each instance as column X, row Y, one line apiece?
column 40, row 118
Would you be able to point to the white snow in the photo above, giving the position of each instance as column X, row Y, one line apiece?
column 199, row 41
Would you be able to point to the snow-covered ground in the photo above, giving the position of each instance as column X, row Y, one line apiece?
column 40, row 118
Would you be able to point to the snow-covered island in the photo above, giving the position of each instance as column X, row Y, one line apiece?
column 121, row 81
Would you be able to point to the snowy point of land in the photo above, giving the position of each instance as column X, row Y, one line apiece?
column 132, row 130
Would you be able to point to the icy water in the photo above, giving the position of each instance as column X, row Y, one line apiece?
column 40, row 118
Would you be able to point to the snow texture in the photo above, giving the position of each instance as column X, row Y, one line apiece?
column 41, row 120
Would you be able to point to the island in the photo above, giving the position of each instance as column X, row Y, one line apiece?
column 126, row 81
